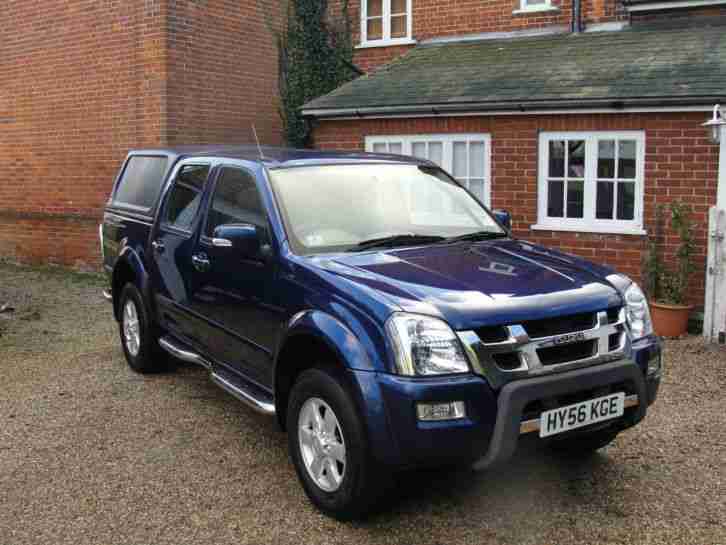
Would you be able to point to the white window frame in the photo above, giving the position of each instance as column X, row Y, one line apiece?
column 589, row 223
column 447, row 140
column 386, row 40
column 525, row 7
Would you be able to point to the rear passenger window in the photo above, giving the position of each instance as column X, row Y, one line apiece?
column 186, row 193
column 236, row 200
column 140, row 182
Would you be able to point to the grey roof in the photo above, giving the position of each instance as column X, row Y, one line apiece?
column 676, row 63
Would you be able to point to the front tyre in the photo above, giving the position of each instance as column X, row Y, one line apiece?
column 139, row 336
column 329, row 449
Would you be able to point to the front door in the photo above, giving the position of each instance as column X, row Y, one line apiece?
column 236, row 293
column 172, row 247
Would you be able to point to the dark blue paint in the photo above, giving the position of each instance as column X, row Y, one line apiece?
column 243, row 310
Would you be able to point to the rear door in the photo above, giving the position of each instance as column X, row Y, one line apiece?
column 171, row 248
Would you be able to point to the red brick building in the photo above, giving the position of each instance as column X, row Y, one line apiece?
column 577, row 116
column 85, row 80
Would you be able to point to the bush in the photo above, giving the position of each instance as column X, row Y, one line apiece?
column 315, row 56
column 669, row 283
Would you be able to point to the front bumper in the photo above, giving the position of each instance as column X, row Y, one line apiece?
column 490, row 432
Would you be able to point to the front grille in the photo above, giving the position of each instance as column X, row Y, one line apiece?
column 507, row 361
column 560, row 325
column 555, row 355
column 492, row 334
column 515, row 350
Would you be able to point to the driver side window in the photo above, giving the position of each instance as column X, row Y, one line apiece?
column 236, row 200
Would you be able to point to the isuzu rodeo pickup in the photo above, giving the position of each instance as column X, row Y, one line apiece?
column 371, row 304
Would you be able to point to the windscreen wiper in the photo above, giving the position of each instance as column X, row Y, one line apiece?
column 477, row 235
column 395, row 240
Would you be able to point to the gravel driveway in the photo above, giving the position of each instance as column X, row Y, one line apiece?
column 91, row 452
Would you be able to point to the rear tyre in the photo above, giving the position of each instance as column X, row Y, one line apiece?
column 139, row 335
column 329, row 448
column 583, row 445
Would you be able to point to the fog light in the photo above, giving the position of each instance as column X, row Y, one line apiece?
column 428, row 412
column 655, row 364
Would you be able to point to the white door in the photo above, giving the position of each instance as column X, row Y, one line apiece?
column 467, row 157
column 714, row 323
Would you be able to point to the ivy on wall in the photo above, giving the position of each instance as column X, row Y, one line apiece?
column 315, row 56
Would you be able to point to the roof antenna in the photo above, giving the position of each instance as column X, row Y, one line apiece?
column 259, row 148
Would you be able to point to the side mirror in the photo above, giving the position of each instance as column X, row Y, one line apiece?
column 504, row 217
column 242, row 237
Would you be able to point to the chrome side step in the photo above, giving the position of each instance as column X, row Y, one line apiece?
column 245, row 394
column 182, row 353
column 263, row 406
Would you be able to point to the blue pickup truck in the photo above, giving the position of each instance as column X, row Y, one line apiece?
column 374, row 307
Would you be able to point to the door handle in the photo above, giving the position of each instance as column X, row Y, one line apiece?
column 158, row 246
column 201, row 262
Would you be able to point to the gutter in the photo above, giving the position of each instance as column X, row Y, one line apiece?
column 704, row 103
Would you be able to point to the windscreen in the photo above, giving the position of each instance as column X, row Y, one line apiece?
column 336, row 207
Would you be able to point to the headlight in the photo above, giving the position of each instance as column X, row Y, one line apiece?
column 637, row 313
column 425, row 346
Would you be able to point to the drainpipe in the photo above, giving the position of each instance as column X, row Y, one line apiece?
column 576, row 25
column 721, row 191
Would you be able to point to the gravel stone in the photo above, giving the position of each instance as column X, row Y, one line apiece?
column 92, row 453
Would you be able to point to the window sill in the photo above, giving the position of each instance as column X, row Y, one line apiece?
column 535, row 10
column 386, row 43
column 604, row 230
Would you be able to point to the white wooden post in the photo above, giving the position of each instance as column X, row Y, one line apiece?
column 714, row 322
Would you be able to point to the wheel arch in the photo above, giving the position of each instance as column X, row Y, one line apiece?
column 312, row 339
column 128, row 268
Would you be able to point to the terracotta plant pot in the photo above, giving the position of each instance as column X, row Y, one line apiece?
column 670, row 320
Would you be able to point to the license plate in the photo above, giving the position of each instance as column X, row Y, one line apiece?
column 581, row 414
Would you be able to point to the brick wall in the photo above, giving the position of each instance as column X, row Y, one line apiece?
column 85, row 80
column 680, row 164
column 81, row 82
column 222, row 71
column 442, row 18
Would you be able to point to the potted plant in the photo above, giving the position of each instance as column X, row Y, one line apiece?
column 667, row 283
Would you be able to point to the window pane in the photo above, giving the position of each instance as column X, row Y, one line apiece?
column 380, row 147
column 459, row 166
column 374, row 8
column 141, row 181
column 436, row 152
column 606, row 159
column 476, row 186
column 555, row 196
column 398, row 26
column 605, row 200
column 476, row 159
column 626, row 159
column 535, row 2
column 374, row 29
column 626, row 201
column 574, row 199
column 185, row 196
column 418, row 149
column 576, row 159
column 398, row 6
column 395, row 147
column 236, row 200
column 557, row 159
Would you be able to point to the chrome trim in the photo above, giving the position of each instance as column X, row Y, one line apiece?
column 182, row 353
column 528, row 426
column 246, row 397
column 107, row 295
column 221, row 243
column 518, row 341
